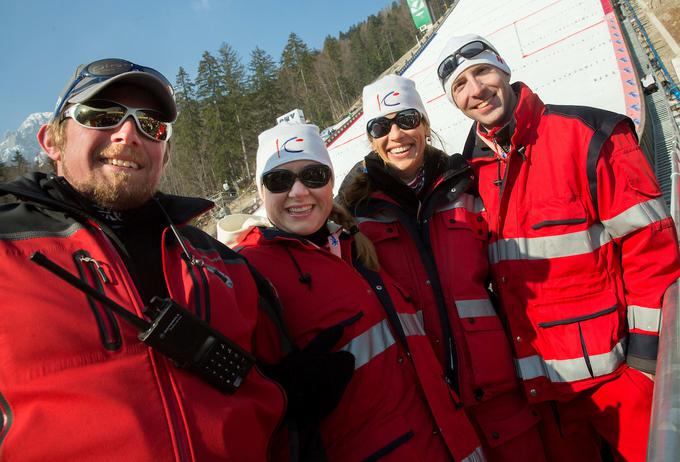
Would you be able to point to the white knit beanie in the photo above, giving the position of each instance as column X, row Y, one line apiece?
column 486, row 57
column 287, row 142
column 391, row 93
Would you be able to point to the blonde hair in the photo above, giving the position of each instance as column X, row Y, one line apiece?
column 365, row 250
column 58, row 132
column 356, row 191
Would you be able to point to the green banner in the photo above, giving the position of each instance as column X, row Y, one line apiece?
column 419, row 13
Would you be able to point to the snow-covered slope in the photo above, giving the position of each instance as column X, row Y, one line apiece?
column 568, row 51
column 23, row 139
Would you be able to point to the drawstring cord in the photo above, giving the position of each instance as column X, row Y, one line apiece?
column 185, row 251
column 305, row 278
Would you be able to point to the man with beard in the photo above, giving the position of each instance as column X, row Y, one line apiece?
column 76, row 382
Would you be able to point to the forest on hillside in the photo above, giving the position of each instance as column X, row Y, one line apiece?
column 230, row 101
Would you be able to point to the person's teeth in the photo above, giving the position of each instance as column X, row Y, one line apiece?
column 484, row 103
column 122, row 163
column 400, row 149
column 300, row 209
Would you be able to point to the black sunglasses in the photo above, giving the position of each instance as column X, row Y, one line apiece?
column 467, row 51
column 408, row 119
column 312, row 176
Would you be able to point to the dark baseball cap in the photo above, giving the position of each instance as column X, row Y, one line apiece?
column 90, row 79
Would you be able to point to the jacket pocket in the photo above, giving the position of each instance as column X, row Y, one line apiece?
column 390, row 447
column 519, row 426
column 461, row 220
column 578, row 337
column 378, row 232
column 386, row 436
column 555, row 213
column 491, row 363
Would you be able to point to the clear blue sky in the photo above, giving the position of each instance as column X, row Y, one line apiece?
column 42, row 41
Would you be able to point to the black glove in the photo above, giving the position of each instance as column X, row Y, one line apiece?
column 314, row 378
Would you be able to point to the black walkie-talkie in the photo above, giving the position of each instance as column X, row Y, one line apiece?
column 177, row 333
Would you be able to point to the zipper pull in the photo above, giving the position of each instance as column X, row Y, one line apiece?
column 226, row 279
column 520, row 151
column 98, row 268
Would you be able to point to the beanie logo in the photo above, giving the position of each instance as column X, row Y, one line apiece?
column 285, row 147
column 384, row 100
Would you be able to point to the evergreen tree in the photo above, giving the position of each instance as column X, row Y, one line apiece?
column 227, row 105
column 210, row 91
column 19, row 162
column 188, row 170
column 233, row 104
column 265, row 101
column 3, row 171
column 296, row 71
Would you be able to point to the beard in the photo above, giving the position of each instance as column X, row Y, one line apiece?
column 118, row 191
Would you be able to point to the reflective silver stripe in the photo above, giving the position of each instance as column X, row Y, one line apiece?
column 580, row 242
column 379, row 338
column 377, row 219
column 537, row 248
column 636, row 217
column 412, row 323
column 465, row 201
column 370, row 344
column 570, row 370
column 475, row 308
column 475, row 456
column 643, row 318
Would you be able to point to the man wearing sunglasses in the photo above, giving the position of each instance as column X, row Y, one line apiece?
column 76, row 383
column 582, row 251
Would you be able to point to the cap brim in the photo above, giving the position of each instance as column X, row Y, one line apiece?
column 149, row 82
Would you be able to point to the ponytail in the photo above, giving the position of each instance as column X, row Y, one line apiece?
column 365, row 251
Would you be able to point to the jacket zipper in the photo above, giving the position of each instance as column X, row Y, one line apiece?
column 109, row 329
column 420, row 235
column 198, row 304
column 206, row 291
column 171, row 399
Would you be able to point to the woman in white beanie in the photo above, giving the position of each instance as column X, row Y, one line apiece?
column 335, row 298
column 415, row 203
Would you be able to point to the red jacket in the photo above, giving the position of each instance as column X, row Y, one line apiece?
column 582, row 247
column 77, row 384
column 436, row 248
column 435, row 245
column 396, row 406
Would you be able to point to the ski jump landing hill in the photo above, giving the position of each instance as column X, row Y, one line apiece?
column 568, row 51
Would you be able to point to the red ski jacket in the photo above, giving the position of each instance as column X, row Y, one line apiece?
column 77, row 384
column 435, row 245
column 582, row 247
column 397, row 406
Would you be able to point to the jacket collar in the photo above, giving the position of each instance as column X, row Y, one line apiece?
column 56, row 193
column 526, row 117
column 439, row 168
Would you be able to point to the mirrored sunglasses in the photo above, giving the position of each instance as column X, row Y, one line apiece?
column 467, row 51
column 408, row 119
column 312, row 176
column 104, row 115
